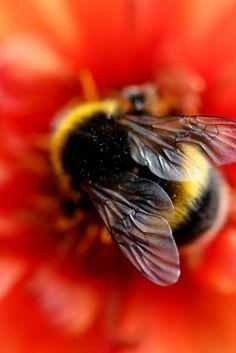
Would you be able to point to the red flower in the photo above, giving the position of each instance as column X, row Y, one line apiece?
column 62, row 288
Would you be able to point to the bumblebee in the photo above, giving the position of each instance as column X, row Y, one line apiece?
column 149, row 177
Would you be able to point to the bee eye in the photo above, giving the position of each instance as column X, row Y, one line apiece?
column 136, row 97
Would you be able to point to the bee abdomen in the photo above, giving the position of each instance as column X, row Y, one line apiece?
column 201, row 214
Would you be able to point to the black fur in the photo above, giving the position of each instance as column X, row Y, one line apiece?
column 97, row 150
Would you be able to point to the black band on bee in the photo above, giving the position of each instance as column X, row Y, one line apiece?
column 94, row 150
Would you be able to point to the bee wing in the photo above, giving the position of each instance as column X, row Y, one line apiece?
column 162, row 143
column 134, row 212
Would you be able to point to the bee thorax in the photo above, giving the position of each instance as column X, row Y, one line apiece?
column 97, row 150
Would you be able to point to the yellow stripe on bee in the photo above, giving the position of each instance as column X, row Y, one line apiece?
column 188, row 192
column 72, row 120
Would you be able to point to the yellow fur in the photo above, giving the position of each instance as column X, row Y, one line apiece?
column 188, row 192
column 74, row 118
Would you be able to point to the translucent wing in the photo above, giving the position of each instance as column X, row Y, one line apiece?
column 165, row 144
column 134, row 211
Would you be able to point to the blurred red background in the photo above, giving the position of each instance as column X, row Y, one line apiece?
column 57, row 298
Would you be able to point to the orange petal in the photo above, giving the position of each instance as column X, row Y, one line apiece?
column 52, row 19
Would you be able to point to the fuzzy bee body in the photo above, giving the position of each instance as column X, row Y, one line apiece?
column 148, row 177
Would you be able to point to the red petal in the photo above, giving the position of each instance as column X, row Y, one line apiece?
column 68, row 306
column 35, row 82
column 218, row 266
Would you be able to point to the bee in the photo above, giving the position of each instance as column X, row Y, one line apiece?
column 148, row 176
